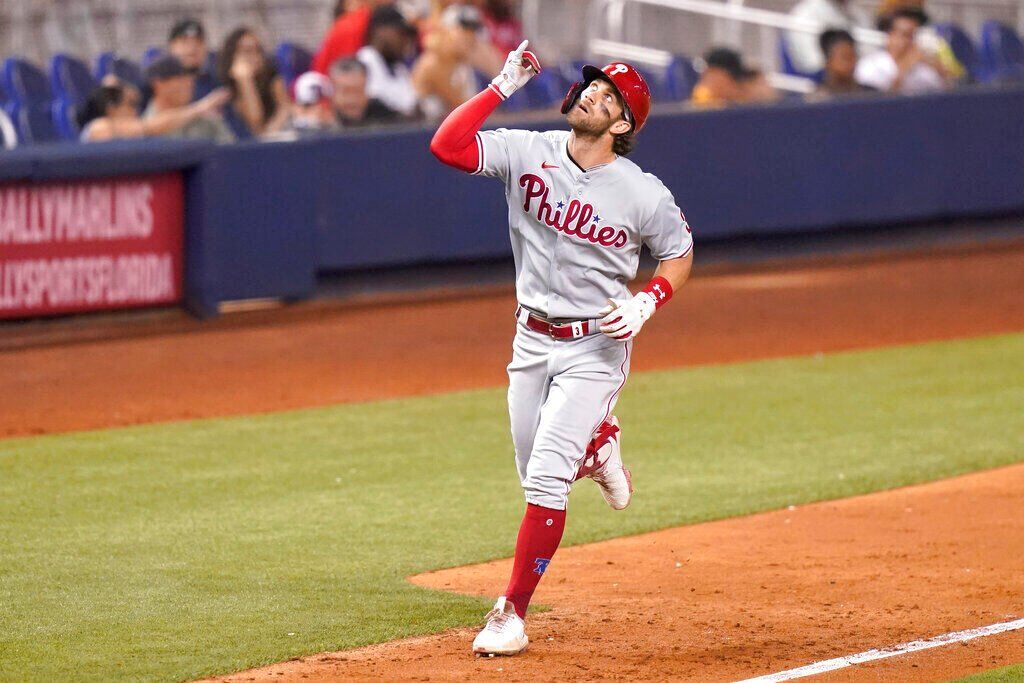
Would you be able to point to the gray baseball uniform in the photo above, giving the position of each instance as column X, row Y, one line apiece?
column 576, row 238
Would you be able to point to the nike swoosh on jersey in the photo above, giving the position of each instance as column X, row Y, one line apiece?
column 546, row 165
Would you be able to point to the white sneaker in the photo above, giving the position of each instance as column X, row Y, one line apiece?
column 504, row 634
column 603, row 464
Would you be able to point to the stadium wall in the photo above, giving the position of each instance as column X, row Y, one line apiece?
column 261, row 220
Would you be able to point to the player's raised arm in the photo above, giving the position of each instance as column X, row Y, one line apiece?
column 454, row 143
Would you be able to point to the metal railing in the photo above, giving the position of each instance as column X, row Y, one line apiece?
column 690, row 27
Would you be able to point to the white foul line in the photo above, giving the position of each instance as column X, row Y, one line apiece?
column 872, row 655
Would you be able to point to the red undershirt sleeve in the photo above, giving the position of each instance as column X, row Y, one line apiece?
column 455, row 142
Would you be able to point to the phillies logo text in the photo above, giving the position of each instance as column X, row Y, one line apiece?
column 578, row 221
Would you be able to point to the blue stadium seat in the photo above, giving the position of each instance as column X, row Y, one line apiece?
column 24, row 82
column 1002, row 52
column 788, row 67
column 963, row 49
column 151, row 55
column 547, row 89
column 292, row 61
column 33, row 121
column 125, row 69
column 70, row 79
column 680, row 77
column 65, row 118
column 8, row 133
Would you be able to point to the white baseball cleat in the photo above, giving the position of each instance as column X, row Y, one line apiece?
column 603, row 464
column 504, row 634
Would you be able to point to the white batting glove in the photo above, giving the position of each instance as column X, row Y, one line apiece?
column 622, row 319
column 520, row 67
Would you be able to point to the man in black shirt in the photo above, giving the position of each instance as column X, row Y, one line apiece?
column 352, row 106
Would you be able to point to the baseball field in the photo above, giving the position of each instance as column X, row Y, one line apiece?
column 828, row 460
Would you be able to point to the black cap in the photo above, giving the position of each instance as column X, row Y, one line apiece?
column 729, row 61
column 167, row 66
column 387, row 15
column 187, row 28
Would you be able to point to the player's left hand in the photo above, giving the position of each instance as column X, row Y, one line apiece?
column 622, row 319
column 520, row 67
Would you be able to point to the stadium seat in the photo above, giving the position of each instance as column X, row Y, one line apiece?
column 125, row 69
column 1002, row 52
column 680, row 77
column 292, row 61
column 33, row 121
column 8, row 133
column 151, row 55
column 70, row 79
column 25, row 83
column 547, row 89
column 65, row 118
column 963, row 49
column 788, row 67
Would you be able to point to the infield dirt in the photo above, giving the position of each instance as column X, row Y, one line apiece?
column 739, row 598
column 716, row 601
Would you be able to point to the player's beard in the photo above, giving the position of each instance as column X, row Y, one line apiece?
column 584, row 126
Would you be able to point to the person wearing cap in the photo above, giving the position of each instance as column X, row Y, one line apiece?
column 172, row 85
column 353, row 108
column 313, row 114
column 348, row 32
column 443, row 75
column 726, row 80
column 187, row 42
column 112, row 112
column 390, row 40
column 579, row 213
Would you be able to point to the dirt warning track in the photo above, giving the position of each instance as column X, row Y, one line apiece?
column 393, row 350
column 739, row 598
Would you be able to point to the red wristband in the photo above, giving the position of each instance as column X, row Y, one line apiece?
column 660, row 290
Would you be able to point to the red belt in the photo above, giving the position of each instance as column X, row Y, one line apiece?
column 573, row 329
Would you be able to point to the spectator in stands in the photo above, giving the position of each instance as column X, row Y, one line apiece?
column 348, row 32
column 259, row 99
column 172, row 86
column 313, row 113
column 187, row 42
column 887, row 7
column 840, row 52
column 390, row 42
column 443, row 75
column 112, row 112
column 353, row 107
column 902, row 67
column 504, row 29
column 803, row 47
column 726, row 81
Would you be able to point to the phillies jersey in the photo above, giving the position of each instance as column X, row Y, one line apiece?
column 576, row 235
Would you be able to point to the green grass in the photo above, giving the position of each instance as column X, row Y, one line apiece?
column 174, row 551
column 1010, row 674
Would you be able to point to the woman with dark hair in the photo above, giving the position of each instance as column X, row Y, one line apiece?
column 259, row 99
column 112, row 112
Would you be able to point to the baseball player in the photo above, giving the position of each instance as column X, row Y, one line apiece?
column 578, row 214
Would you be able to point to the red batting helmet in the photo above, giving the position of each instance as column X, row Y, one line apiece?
column 627, row 81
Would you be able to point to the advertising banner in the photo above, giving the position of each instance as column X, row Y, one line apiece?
column 91, row 245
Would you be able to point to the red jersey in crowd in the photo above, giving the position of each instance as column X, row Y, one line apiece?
column 505, row 34
column 344, row 38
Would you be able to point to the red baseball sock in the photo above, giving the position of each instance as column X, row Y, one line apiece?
column 539, row 536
